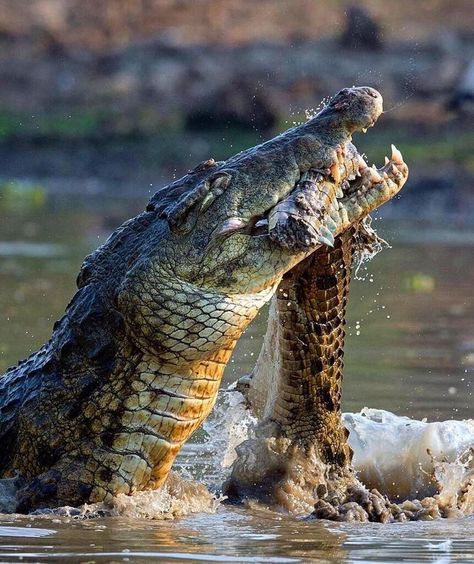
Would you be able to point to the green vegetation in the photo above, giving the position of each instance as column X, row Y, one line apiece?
column 83, row 124
column 21, row 197
column 58, row 125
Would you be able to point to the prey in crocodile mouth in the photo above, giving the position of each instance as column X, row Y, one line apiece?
column 134, row 365
column 299, row 456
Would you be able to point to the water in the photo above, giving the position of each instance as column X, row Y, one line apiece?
column 233, row 535
column 410, row 350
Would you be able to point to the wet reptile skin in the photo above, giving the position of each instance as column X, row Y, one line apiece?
column 310, row 307
column 297, row 381
column 134, row 366
column 295, row 388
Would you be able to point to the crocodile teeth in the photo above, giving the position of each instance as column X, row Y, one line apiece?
column 207, row 201
column 230, row 226
column 331, row 224
column 335, row 172
column 339, row 192
column 374, row 174
column 362, row 163
column 364, row 129
column 387, row 160
column 396, row 155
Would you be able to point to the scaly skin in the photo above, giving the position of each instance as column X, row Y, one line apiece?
column 133, row 367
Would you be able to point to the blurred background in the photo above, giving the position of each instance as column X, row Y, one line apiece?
column 102, row 103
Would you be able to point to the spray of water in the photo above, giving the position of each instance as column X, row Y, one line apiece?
column 429, row 465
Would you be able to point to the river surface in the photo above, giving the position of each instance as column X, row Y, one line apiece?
column 410, row 350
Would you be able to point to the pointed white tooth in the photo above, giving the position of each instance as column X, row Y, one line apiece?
column 374, row 174
column 362, row 163
column 325, row 236
column 230, row 225
column 209, row 198
column 387, row 160
column 339, row 192
column 364, row 129
column 330, row 223
column 276, row 217
column 396, row 155
column 385, row 175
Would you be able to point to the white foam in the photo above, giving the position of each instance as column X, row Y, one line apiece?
column 230, row 424
column 178, row 497
column 406, row 458
column 401, row 457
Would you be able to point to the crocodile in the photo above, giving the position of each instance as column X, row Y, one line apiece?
column 134, row 365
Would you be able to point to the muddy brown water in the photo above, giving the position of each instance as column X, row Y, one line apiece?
column 410, row 350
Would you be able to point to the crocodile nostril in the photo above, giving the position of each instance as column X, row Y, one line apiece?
column 371, row 92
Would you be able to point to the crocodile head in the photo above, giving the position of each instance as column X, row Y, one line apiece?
column 220, row 239
column 237, row 226
column 353, row 109
column 351, row 189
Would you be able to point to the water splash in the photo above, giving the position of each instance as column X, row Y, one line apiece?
column 405, row 458
column 177, row 498
column 230, row 424
column 429, row 465
column 411, row 469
